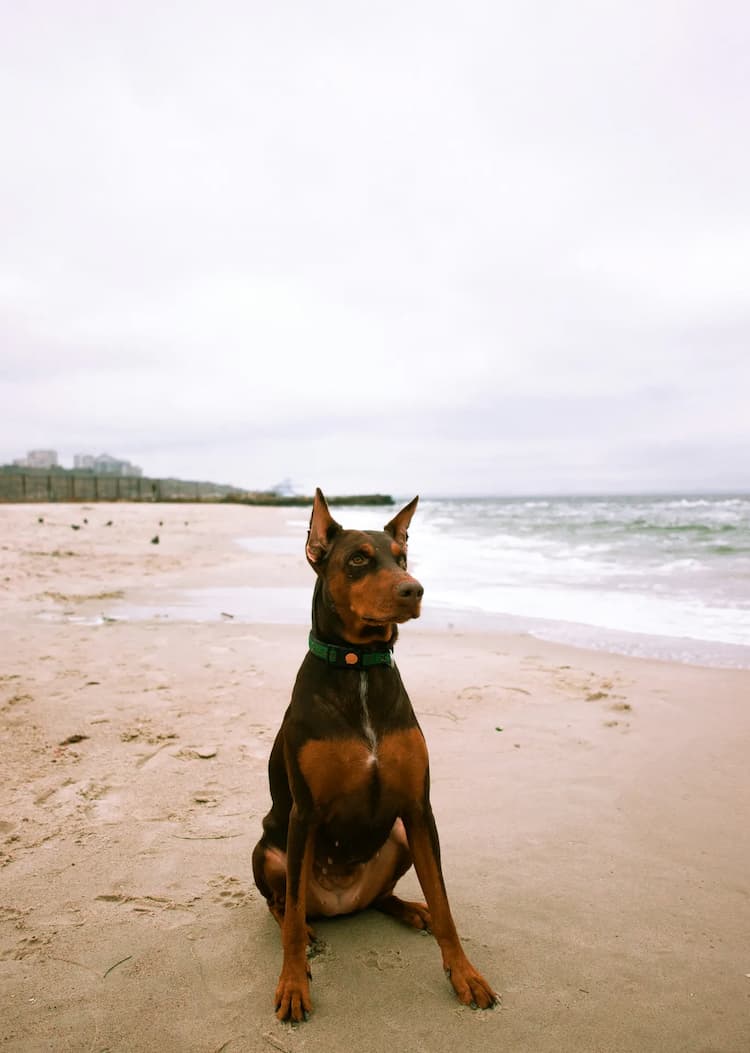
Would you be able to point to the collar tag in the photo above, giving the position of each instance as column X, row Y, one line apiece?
column 349, row 657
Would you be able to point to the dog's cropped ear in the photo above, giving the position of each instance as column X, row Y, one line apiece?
column 323, row 529
column 399, row 525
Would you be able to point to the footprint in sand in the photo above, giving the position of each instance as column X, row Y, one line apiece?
column 229, row 892
column 14, row 915
column 382, row 960
column 621, row 708
column 592, row 689
column 143, row 731
column 473, row 692
column 16, row 700
column 35, row 946
column 146, row 904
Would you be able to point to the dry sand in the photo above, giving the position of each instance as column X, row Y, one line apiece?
column 594, row 817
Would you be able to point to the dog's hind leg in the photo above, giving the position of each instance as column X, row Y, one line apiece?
column 406, row 911
column 269, row 869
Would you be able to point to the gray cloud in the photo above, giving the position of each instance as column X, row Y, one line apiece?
column 478, row 246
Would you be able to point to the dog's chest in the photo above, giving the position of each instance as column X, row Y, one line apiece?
column 365, row 760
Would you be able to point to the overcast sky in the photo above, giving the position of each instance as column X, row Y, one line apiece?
column 411, row 247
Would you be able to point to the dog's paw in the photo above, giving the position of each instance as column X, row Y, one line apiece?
column 470, row 986
column 406, row 911
column 417, row 915
column 292, row 998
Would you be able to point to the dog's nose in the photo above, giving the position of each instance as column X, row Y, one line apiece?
column 410, row 590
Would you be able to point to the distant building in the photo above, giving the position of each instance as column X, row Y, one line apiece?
column 105, row 464
column 285, row 488
column 38, row 459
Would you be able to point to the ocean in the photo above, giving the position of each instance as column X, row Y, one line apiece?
column 658, row 576
column 663, row 577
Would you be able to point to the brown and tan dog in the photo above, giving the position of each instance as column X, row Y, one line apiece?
column 349, row 771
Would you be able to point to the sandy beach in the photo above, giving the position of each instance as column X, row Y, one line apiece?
column 593, row 812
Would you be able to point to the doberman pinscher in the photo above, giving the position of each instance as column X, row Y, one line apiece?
column 349, row 769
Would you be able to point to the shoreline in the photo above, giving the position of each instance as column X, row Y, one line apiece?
column 273, row 583
column 288, row 605
column 592, row 812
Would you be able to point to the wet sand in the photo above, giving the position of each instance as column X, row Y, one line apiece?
column 593, row 812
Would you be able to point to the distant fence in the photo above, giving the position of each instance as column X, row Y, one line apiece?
column 38, row 484
column 41, row 485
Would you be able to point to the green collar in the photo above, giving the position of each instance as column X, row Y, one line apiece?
column 350, row 657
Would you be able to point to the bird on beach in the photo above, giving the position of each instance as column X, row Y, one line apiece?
column 74, row 526
column 155, row 540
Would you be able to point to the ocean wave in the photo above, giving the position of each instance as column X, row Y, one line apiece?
column 639, row 612
column 643, row 526
column 649, row 557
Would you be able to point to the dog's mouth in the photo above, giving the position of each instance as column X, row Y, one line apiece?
column 398, row 617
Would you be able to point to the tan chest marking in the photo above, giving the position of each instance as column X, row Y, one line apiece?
column 334, row 768
column 403, row 762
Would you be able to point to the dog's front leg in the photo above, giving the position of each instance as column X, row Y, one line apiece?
column 293, row 990
column 469, row 985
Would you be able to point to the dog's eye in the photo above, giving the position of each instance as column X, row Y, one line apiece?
column 358, row 560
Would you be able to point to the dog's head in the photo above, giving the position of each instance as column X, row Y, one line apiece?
column 364, row 572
